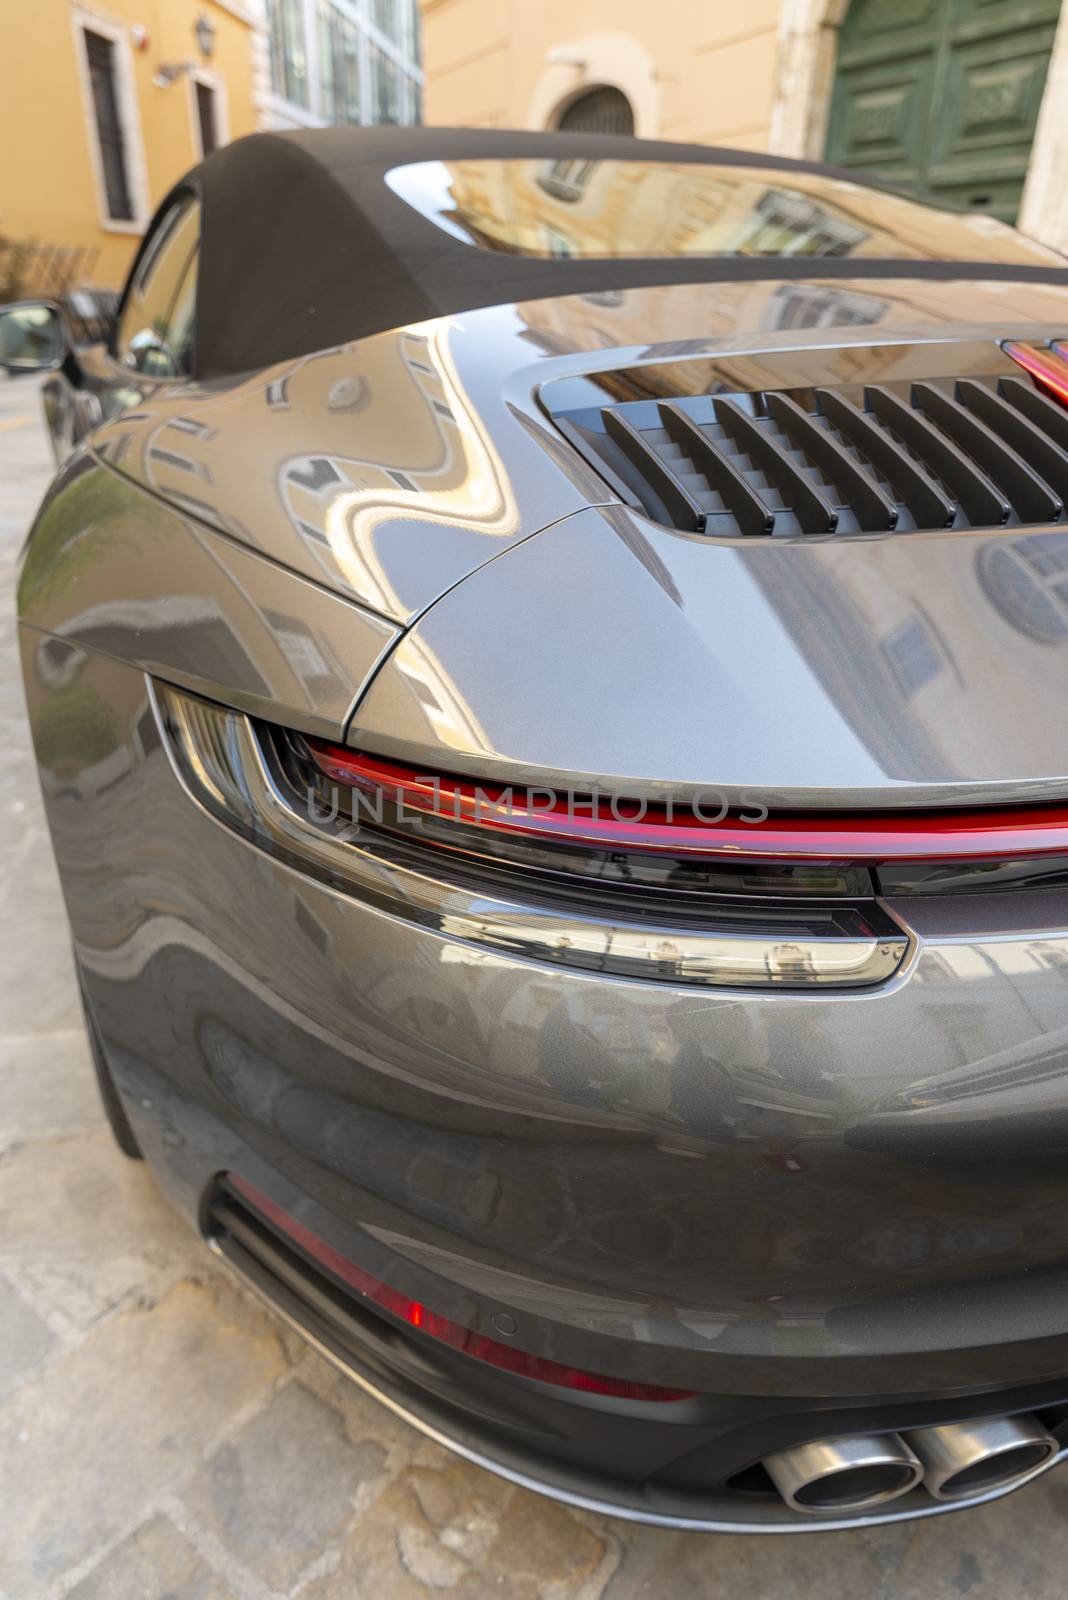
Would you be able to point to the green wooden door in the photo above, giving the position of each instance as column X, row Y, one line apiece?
column 941, row 96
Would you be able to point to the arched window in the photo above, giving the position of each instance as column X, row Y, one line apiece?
column 603, row 110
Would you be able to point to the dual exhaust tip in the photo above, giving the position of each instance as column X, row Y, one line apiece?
column 960, row 1461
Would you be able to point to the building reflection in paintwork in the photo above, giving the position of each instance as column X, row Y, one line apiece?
column 354, row 496
column 648, row 209
column 567, row 1117
column 317, row 474
column 949, row 657
column 868, row 664
column 375, row 510
column 156, row 588
column 754, row 322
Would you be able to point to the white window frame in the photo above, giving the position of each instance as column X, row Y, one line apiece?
column 288, row 114
column 84, row 21
column 358, row 13
column 209, row 80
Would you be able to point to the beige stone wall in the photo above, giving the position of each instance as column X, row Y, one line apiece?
column 692, row 69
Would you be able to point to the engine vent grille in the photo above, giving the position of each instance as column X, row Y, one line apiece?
column 949, row 453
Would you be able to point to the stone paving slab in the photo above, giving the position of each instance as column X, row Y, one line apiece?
column 49, row 1086
column 26, row 1337
column 155, row 1561
column 163, row 1437
column 103, row 1428
column 244, row 1494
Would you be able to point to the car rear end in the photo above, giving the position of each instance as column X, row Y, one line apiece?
column 623, row 1026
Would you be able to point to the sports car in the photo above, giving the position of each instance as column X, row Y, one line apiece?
column 547, row 657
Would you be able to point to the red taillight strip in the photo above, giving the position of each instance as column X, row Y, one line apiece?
column 442, row 1328
column 1046, row 365
column 1004, row 833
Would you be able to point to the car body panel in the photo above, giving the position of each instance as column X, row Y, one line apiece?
column 812, row 1210
column 305, row 463
column 114, row 570
column 778, row 669
column 568, row 1146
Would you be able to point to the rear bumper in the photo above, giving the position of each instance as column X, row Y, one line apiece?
column 608, row 1162
column 562, row 1446
column 230, row 1083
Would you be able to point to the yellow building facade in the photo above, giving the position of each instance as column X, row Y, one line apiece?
column 103, row 106
column 964, row 100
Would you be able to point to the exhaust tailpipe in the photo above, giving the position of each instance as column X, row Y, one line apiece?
column 965, row 1459
column 847, row 1474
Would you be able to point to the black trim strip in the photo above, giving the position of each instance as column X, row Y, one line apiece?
column 751, row 511
column 604, row 469
column 814, row 511
column 875, row 511
column 982, row 500
column 929, row 506
column 680, row 504
column 1042, row 411
column 1033, row 443
column 1031, row 495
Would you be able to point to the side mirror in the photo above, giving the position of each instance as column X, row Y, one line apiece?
column 31, row 337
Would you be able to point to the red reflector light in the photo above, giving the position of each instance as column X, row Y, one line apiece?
column 997, row 832
column 443, row 1329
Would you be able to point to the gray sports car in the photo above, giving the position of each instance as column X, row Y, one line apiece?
column 548, row 662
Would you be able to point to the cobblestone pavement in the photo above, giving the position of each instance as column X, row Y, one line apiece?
column 161, row 1436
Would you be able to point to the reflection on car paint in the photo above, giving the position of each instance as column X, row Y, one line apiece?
column 475, row 444
column 193, row 606
column 787, row 652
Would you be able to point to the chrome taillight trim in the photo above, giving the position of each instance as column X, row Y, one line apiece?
column 219, row 760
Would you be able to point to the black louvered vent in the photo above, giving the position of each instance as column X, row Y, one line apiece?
column 952, row 453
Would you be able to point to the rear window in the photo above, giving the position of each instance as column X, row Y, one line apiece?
column 610, row 209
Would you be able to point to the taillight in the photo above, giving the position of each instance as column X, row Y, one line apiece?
column 604, row 903
column 1045, row 363
column 827, row 837
column 435, row 1326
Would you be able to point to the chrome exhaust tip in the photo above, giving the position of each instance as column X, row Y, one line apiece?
column 967, row 1459
column 847, row 1474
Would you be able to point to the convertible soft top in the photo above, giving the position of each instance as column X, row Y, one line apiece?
column 305, row 244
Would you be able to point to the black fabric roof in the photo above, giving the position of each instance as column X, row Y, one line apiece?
column 305, row 246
